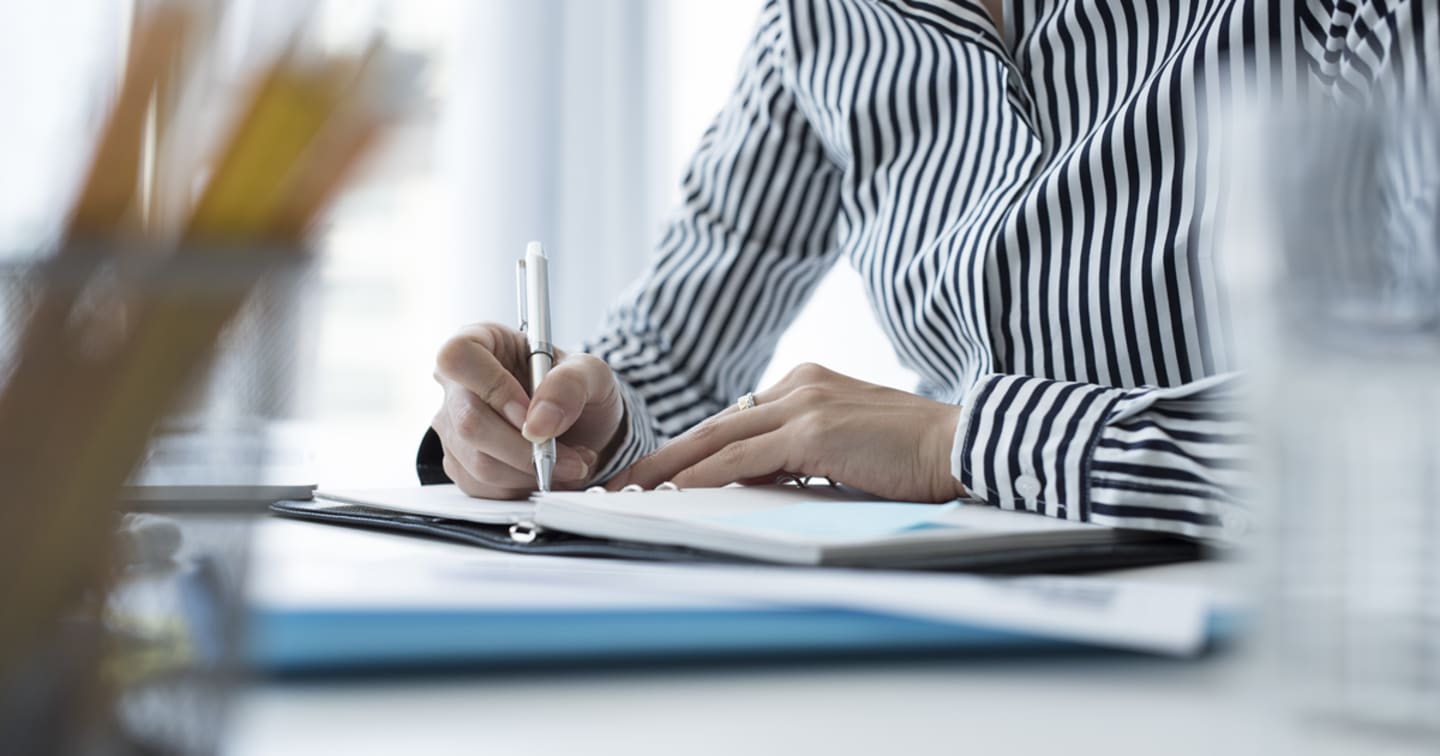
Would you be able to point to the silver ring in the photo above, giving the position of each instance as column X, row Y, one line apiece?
column 746, row 401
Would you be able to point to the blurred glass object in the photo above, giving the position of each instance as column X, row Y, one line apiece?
column 1334, row 260
column 176, row 634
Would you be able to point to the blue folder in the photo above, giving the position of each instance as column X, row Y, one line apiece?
column 291, row 642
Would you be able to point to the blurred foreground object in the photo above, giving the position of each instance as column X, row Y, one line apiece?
column 1335, row 266
column 114, row 325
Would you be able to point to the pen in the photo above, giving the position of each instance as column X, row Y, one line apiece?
column 532, row 281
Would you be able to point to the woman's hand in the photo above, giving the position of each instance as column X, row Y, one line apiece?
column 817, row 422
column 488, row 420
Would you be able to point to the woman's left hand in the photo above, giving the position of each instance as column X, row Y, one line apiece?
column 816, row 422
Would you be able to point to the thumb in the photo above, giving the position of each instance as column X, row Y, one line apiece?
column 576, row 382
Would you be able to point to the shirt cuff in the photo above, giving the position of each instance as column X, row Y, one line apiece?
column 1025, row 443
column 638, row 434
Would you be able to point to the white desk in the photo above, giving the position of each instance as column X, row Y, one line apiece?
column 1056, row 705
column 1102, row 706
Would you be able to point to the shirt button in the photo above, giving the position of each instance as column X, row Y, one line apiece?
column 1027, row 486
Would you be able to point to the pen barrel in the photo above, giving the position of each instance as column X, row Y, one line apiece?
column 537, row 299
column 542, row 358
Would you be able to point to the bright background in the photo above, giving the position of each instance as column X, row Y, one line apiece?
column 568, row 121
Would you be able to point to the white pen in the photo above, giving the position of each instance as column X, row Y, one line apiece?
column 532, row 278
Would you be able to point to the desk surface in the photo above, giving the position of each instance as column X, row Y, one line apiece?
column 1108, row 704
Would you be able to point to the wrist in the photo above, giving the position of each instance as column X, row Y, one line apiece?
column 944, row 450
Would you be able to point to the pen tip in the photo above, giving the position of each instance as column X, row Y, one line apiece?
column 535, row 249
column 543, row 471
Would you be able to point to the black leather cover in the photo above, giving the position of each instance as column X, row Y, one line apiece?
column 556, row 543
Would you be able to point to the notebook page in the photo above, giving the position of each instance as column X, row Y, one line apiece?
column 435, row 501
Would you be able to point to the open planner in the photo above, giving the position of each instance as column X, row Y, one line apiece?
column 814, row 526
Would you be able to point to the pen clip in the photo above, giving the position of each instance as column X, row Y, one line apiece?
column 520, row 296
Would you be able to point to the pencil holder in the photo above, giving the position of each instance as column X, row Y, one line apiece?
column 109, row 638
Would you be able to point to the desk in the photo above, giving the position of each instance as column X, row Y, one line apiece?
column 1058, row 705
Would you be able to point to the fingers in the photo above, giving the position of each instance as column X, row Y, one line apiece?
column 486, row 406
column 702, row 442
column 475, row 424
column 764, row 396
column 485, row 490
column 491, row 453
column 480, row 440
column 576, row 382
column 473, row 359
column 748, row 459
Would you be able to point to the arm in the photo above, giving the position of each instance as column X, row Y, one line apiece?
column 1166, row 459
column 697, row 329
column 736, row 263
column 1171, row 459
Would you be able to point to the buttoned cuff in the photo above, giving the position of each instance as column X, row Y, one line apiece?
column 638, row 434
column 1025, row 443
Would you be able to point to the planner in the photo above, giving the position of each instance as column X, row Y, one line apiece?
column 787, row 525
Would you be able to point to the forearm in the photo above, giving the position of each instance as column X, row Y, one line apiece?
column 1154, row 459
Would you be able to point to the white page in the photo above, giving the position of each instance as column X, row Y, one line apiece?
column 759, row 509
column 306, row 565
column 445, row 501
column 791, row 525
column 1158, row 618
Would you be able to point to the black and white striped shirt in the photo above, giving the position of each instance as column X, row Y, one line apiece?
column 1034, row 216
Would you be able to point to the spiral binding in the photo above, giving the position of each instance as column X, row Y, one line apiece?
column 802, row 481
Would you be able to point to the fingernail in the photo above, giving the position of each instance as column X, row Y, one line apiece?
column 515, row 413
column 571, row 468
column 587, row 455
column 545, row 418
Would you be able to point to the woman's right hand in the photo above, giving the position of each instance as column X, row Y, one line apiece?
column 488, row 421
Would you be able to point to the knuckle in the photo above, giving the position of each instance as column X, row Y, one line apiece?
column 467, row 422
column 564, row 382
column 705, row 431
column 813, row 425
column 588, row 363
column 735, row 453
column 487, row 334
column 486, row 468
column 453, row 355
column 492, row 387
column 811, row 395
column 807, row 372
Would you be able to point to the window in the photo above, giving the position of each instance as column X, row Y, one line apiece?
column 561, row 120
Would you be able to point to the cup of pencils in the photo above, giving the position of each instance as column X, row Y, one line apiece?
column 107, row 334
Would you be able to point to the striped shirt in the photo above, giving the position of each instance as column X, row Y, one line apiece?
column 1033, row 213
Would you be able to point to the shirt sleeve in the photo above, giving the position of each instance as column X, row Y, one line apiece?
column 736, row 263
column 1162, row 459
column 1173, row 459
